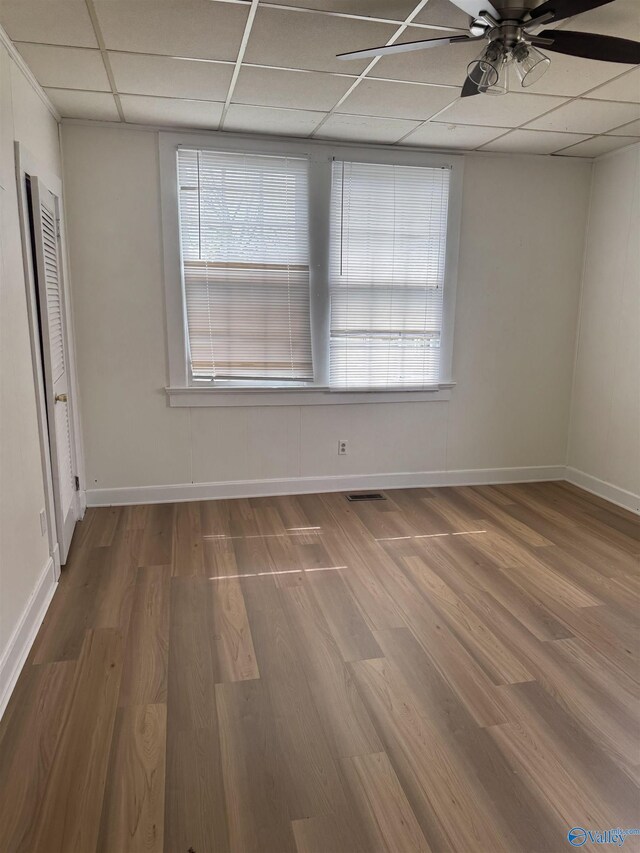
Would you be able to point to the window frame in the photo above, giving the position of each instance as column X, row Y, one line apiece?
column 182, row 390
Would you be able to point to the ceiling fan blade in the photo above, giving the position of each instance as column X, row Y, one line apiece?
column 565, row 8
column 388, row 49
column 474, row 7
column 469, row 88
column 593, row 46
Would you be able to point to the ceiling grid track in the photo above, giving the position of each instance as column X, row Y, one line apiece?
column 500, row 125
column 371, row 65
column 105, row 56
column 522, row 126
column 567, row 100
column 350, row 16
column 241, row 52
column 584, row 95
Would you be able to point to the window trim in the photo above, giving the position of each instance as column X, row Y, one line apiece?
column 181, row 390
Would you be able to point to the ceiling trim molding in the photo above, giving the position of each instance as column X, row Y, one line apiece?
column 631, row 147
column 312, row 143
column 393, row 146
column 12, row 50
column 565, row 152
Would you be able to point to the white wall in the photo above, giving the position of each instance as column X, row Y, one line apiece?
column 604, row 438
column 519, row 276
column 24, row 551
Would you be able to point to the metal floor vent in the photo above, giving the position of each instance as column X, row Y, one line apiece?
column 367, row 496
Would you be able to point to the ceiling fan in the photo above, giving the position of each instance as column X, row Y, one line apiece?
column 512, row 30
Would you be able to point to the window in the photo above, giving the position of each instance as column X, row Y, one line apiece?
column 388, row 246
column 245, row 266
column 304, row 272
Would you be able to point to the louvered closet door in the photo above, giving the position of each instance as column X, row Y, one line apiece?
column 58, row 398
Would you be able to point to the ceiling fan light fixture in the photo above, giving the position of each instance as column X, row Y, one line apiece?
column 530, row 63
column 485, row 69
column 512, row 33
column 501, row 86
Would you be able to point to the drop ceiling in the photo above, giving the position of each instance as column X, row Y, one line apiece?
column 262, row 67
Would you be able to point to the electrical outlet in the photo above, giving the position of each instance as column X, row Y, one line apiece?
column 43, row 522
column 343, row 447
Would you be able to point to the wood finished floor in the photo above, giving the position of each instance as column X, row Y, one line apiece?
column 450, row 669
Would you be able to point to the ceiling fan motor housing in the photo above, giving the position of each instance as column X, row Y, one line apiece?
column 509, row 33
column 514, row 10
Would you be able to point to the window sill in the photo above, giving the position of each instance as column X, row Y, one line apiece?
column 197, row 397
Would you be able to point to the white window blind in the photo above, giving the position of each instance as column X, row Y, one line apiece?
column 387, row 266
column 245, row 263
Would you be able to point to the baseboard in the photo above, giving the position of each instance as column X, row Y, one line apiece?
column 25, row 632
column 312, row 485
column 611, row 493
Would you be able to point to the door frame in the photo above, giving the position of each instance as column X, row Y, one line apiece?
column 28, row 166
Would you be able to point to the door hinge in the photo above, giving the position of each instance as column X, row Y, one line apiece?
column 58, row 228
column 76, row 483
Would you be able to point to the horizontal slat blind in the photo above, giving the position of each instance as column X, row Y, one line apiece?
column 387, row 260
column 245, row 261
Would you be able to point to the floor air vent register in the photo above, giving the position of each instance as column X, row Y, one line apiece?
column 367, row 496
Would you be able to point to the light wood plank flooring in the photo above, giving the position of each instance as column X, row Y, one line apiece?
column 448, row 669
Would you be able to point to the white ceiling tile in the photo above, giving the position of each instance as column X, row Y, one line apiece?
column 398, row 100
column 365, row 128
column 571, row 75
column 392, row 10
column 508, row 110
column 621, row 19
column 307, row 40
column 600, row 145
column 534, row 141
column 66, row 67
column 249, row 119
column 272, row 87
column 434, row 135
column 62, row 22
column 445, row 64
column 631, row 129
column 585, row 116
column 171, row 111
column 197, row 28
column 625, row 88
column 442, row 13
column 139, row 74
column 98, row 106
